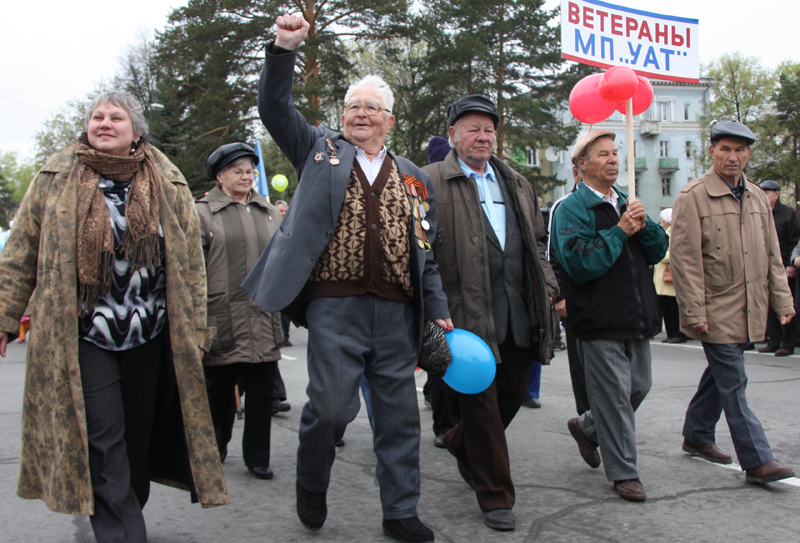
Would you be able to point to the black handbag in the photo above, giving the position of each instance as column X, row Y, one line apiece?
column 435, row 356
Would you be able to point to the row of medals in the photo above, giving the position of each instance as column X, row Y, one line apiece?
column 419, row 207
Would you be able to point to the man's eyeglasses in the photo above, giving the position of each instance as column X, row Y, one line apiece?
column 370, row 108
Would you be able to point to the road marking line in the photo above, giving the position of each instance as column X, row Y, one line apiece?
column 287, row 357
column 792, row 481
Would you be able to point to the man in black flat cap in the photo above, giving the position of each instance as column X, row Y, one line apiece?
column 490, row 247
column 781, row 337
column 727, row 269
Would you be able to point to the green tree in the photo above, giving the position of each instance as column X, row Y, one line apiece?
column 508, row 50
column 211, row 54
column 743, row 88
column 15, row 176
column 64, row 126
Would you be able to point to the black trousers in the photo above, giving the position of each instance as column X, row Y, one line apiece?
column 444, row 405
column 479, row 440
column 781, row 336
column 577, row 372
column 672, row 317
column 119, row 391
column 257, row 379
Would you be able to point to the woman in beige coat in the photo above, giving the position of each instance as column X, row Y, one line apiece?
column 236, row 223
column 108, row 235
column 666, row 291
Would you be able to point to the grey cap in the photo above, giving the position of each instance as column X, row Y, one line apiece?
column 732, row 129
column 770, row 185
column 226, row 154
column 475, row 103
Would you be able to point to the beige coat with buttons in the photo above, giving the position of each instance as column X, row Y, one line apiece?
column 726, row 261
column 234, row 236
column 41, row 253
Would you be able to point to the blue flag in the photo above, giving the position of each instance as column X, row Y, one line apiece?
column 261, row 177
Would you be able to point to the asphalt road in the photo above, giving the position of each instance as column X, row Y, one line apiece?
column 559, row 498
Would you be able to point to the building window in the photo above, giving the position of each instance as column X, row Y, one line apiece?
column 637, row 148
column 531, row 158
column 663, row 149
column 686, row 113
column 666, row 186
column 688, row 149
column 664, row 111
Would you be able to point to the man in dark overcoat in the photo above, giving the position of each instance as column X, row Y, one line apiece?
column 352, row 262
column 490, row 248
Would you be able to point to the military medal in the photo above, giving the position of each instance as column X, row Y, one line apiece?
column 318, row 157
column 417, row 194
column 332, row 152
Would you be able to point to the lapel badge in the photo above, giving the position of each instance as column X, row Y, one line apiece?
column 318, row 157
column 332, row 152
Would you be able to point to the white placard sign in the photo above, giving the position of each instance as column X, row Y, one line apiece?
column 654, row 45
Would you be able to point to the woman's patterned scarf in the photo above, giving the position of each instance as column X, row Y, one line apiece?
column 95, row 235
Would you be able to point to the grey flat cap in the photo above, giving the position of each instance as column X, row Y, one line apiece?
column 226, row 154
column 587, row 140
column 770, row 185
column 732, row 129
column 474, row 103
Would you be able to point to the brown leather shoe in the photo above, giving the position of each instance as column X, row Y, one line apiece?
column 587, row 447
column 630, row 489
column 767, row 349
column 784, row 352
column 767, row 473
column 709, row 452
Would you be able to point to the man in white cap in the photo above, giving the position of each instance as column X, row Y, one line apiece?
column 606, row 246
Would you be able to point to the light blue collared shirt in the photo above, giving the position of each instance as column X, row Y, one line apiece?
column 495, row 205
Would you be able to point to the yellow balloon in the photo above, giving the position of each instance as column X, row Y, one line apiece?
column 280, row 182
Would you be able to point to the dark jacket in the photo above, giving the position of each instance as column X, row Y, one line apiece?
column 277, row 280
column 787, row 223
column 234, row 236
column 461, row 249
column 609, row 275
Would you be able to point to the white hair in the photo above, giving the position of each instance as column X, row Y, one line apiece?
column 376, row 82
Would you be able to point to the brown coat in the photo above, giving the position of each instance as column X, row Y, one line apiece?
column 463, row 264
column 245, row 333
column 726, row 261
column 41, row 252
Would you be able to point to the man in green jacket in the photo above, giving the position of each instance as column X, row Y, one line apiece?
column 607, row 247
column 490, row 247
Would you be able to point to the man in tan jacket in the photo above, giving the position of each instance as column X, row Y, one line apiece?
column 727, row 270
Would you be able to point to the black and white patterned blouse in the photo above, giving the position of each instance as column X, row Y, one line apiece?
column 136, row 308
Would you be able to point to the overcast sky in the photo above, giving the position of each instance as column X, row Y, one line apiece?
column 54, row 51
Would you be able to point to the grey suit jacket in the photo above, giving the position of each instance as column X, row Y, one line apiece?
column 277, row 280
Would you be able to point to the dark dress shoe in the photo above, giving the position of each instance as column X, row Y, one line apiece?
column 586, row 446
column 409, row 530
column 784, row 352
column 438, row 441
column 630, row 489
column 280, row 407
column 767, row 473
column 767, row 349
column 533, row 403
column 559, row 346
column 223, row 454
column 287, row 343
column 676, row 339
column 261, row 472
column 501, row 520
column 709, row 452
column 339, row 443
column 312, row 508
column 750, row 346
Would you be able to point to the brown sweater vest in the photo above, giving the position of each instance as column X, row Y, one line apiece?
column 370, row 249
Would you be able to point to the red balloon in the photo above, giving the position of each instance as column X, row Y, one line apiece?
column 585, row 101
column 618, row 84
column 641, row 99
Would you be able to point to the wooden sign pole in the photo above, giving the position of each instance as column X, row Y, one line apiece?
column 631, row 156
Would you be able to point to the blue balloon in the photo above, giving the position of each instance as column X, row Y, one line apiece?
column 473, row 366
